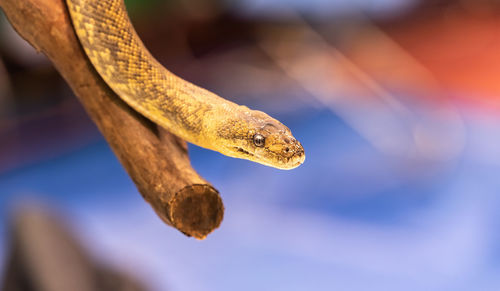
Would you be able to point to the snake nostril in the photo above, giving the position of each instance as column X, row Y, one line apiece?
column 287, row 149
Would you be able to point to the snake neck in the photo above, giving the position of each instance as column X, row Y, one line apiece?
column 121, row 59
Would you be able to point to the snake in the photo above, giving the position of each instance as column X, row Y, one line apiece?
column 190, row 112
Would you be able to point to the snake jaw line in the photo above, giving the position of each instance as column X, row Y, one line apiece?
column 238, row 149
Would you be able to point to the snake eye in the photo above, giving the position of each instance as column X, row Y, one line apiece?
column 259, row 140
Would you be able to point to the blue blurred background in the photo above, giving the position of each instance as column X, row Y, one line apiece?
column 396, row 103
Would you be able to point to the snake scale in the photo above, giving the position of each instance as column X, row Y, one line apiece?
column 186, row 110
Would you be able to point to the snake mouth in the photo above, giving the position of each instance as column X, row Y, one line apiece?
column 293, row 161
column 270, row 158
column 284, row 163
column 241, row 150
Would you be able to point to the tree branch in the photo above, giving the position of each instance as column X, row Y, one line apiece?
column 156, row 160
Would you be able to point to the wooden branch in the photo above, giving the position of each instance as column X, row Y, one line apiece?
column 156, row 160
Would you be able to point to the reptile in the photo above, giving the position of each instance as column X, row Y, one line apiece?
column 190, row 112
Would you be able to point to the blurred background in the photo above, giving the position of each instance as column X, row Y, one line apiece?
column 396, row 102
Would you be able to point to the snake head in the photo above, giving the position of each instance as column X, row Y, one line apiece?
column 275, row 146
column 265, row 140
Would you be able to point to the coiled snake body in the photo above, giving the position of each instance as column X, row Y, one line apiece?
column 188, row 111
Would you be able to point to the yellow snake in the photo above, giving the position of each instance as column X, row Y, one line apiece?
column 186, row 110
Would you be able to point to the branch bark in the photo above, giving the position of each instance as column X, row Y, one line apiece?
column 156, row 160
